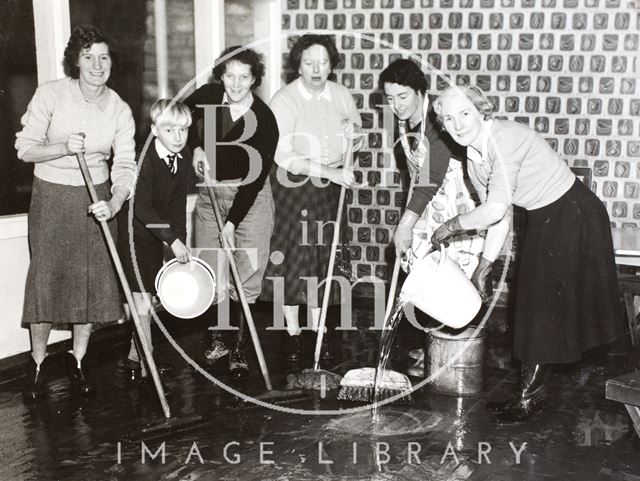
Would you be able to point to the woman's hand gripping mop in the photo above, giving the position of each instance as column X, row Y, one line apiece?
column 271, row 396
column 317, row 379
column 360, row 385
column 169, row 423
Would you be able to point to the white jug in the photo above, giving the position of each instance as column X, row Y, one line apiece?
column 437, row 286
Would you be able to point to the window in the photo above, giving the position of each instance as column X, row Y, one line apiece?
column 18, row 81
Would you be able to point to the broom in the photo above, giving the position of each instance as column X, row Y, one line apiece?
column 170, row 423
column 359, row 384
column 316, row 378
column 271, row 396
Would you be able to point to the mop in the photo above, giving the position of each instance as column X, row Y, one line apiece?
column 359, row 384
column 271, row 396
column 319, row 379
column 169, row 423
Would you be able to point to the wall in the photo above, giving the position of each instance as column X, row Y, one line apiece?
column 14, row 259
column 565, row 67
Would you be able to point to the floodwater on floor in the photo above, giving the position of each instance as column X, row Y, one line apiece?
column 216, row 435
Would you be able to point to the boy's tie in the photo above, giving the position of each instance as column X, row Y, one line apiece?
column 171, row 158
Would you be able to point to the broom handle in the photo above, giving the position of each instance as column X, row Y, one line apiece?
column 332, row 260
column 239, row 287
column 396, row 266
column 126, row 288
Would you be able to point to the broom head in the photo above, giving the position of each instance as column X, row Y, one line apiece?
column 357, row 385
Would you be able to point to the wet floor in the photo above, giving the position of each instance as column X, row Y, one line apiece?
column 582, row 435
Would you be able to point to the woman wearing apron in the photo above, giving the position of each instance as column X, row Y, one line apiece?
column 438, row 192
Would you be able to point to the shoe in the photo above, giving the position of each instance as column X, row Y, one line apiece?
column 217, row 350
column 35, row 388
column 78, row 376
column 530, row 399
column 326, row 349
column 293, row 349
column 133, row 371
column 238, row 366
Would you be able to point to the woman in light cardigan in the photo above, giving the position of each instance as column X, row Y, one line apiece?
column 315, row 118
column 71, row 278
column 567, row 298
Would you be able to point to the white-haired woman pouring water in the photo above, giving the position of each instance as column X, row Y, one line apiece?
column 567, row 298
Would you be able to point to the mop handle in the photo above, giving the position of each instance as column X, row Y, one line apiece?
column 396, row 266
column 239, row 287
column 125, row 287
column 332, row 259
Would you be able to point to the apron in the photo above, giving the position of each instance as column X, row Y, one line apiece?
column 451, row 199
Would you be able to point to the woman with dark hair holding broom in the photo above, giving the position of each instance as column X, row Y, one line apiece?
column 313, row 114
column 432, row 158
column 71, row 279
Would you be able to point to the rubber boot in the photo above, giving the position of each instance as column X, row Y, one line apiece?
column 293, row 348
column 530, row 398
column 77, row 372
column 238, row 365
column 327, row 351
column 35, row 388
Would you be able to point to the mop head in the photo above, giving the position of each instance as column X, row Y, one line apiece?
column 357, row 385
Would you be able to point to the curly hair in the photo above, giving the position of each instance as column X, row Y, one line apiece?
column 243, row 55
column 473, row 93
column 83, row 37
column 404, row 72
column 308, row 40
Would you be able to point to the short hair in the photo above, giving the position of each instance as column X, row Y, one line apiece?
column 309, row 40
column 170, row 112
column 473, row 93
column 243, row 55
column 83, row 37
column 404, row 72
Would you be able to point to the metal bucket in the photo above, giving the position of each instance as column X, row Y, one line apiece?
column 455, row 362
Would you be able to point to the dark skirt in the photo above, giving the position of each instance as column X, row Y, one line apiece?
column 567, row 297
column 141, row 259
column 300, row 249
column 71, row 278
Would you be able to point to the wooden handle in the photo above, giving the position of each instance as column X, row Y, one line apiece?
column 239, row 288
column 126, row 288
column 396, row 267
column 348, row 154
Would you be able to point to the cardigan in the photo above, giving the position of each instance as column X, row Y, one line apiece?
column 517, row 166
column 234, row 153
column 313, row 125
column 58, row 109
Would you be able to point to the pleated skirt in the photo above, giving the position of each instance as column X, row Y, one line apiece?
column 567, row 298
column 301, row 243
column 71, row 277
